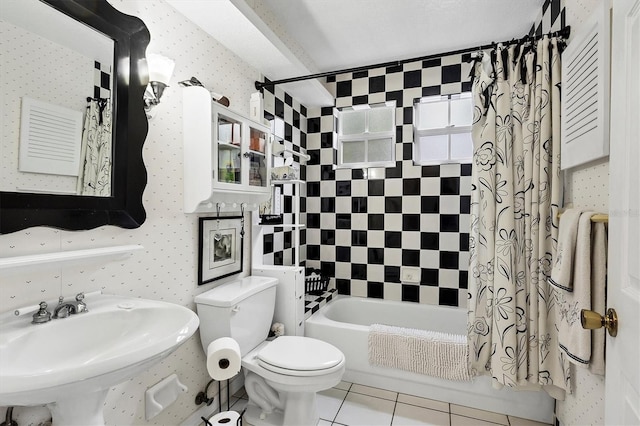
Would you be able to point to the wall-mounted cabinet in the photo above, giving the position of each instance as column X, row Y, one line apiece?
column 226, row 155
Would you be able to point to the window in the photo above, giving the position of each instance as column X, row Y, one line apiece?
column 442, row 129
column 366, row 135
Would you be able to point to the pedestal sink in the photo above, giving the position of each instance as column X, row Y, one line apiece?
column 69, row 364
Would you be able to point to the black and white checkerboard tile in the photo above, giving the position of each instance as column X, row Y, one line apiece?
column 552, row 17
column 102, row 80
column 313, row 303
column 364, row 225
column 291, row 116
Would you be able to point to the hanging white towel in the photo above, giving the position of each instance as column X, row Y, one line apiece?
column 598, row 291
column 432, row 353
column 572, row 338
column 562, row 272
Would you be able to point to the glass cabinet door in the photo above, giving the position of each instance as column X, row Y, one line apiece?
column 229, row 144
column 257, row 157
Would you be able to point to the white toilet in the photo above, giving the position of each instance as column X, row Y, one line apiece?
column 281, row 376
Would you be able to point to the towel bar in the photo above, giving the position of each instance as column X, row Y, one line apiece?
column 600, row 217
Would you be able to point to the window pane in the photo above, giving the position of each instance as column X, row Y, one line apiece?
column 434, row 148
column 381, row 119
column 353, row 152
column 432, row 115
column 461, row 146
column 352, row 122
column 380, row 149
column 462, row 112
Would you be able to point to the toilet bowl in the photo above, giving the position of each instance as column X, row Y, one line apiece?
column 295, row 368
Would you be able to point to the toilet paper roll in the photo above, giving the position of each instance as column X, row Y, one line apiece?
column 223, row 358
column 225, row 418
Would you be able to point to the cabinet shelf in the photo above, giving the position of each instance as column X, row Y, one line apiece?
column 228, row 145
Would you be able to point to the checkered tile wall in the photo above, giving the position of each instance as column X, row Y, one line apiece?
column 552, row 18
column 364, row 225
column 101, row 80
column 289, row 117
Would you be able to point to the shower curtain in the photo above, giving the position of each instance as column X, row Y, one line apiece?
column 94, row 177
column 514, row 224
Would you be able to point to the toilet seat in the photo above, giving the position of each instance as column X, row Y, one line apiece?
column 300, row 356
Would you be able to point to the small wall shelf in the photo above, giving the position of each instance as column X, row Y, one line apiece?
column 285, row 182
column 283, row 225
column 65, row 257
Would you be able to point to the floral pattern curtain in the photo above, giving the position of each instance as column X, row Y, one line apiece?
column 514, row 224
column 95, row 157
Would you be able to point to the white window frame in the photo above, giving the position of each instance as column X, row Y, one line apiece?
column 365, row 137
column 448, row 130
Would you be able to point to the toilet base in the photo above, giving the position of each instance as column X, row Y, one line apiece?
column 252, row 416
column 295, row 416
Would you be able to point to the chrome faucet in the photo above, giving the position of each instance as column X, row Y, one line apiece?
column 64, row 309
column 42, row 315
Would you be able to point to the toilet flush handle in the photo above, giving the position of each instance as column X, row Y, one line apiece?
column 235, row 309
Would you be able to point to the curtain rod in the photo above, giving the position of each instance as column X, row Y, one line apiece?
column 564, row 32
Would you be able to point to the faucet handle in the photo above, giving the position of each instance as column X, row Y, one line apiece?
column 80, row 306
column 60, row 300
column 42, row 315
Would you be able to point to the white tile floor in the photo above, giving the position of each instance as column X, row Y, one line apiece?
column 351, row 404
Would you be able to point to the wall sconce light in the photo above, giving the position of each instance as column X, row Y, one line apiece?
column 160, row 70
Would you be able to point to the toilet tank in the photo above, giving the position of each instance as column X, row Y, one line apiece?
column 240, row 309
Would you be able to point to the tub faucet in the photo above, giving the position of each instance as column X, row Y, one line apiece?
column 64, row 309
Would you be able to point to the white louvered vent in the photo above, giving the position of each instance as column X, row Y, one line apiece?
column 50, row 138
column 585, row 92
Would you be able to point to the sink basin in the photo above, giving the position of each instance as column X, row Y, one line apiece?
column 70, row 363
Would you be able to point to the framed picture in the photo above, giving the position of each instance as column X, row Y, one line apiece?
column 219, row 248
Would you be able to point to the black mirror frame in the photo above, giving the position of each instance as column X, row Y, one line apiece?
column 124, row 207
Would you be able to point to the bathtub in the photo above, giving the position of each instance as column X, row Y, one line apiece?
column 345, row 322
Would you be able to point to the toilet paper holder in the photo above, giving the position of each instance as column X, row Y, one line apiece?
column 224, row 418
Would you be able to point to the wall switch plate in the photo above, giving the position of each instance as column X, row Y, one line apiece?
column 410, row 275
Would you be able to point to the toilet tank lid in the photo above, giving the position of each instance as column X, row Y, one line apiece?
column 232, row 293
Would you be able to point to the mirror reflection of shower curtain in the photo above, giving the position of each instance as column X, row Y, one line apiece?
column 94, row 177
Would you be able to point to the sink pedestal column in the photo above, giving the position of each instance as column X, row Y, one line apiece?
column 86, row 409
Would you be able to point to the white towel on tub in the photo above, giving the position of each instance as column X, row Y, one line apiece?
column 432, row 353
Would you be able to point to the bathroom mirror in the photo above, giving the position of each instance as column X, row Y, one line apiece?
column 122, row 205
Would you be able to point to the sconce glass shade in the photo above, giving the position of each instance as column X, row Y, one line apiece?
column 160, row 68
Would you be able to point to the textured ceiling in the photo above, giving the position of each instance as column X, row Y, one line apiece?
column 340, row 34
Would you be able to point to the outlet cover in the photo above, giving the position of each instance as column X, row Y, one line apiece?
column 410, row 275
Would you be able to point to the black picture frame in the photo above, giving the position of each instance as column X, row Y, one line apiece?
column 220, row 248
